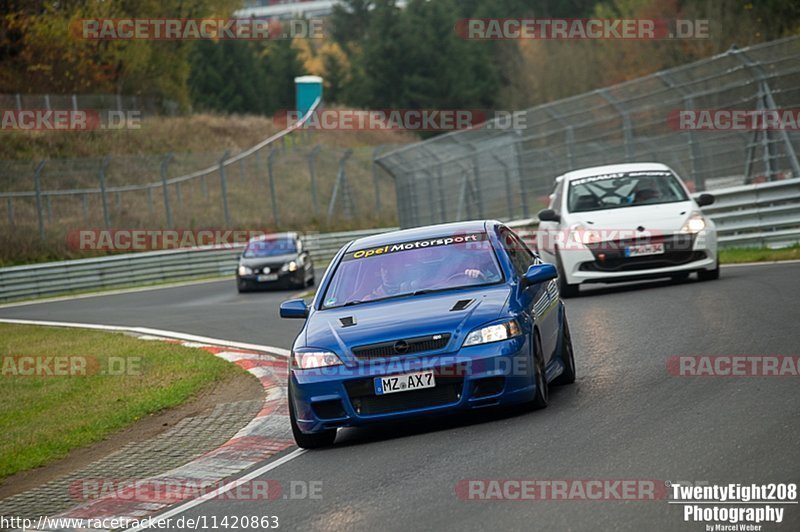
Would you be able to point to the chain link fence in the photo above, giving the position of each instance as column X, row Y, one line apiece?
column 507, row 172
column 290, row 183
column 99, row 102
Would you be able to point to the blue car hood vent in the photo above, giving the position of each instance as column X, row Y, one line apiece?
column 412, row 317
column 461, row 305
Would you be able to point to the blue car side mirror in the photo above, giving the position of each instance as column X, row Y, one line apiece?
column 294, row 308
column 539, row 273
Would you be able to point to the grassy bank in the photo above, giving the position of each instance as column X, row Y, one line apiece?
column 108, row 382
column 739, row 255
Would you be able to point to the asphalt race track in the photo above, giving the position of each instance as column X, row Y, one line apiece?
column 625, row 418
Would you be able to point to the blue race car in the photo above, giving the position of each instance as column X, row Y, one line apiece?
column 426, row 321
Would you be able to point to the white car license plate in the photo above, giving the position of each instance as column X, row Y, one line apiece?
column 268, row 277
column 644, row 249
column 404, row 383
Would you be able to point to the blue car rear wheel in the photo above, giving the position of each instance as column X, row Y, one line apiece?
column 542, row 393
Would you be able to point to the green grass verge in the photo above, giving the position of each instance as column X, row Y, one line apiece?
column 43, row 417
column 738, row 255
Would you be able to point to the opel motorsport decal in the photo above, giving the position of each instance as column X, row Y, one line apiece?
column 415, row 244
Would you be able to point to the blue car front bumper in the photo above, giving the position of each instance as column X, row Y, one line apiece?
column 472, row 377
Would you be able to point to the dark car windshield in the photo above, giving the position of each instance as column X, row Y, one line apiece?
column 394, row 270
column 270, row 247
column 623, row 189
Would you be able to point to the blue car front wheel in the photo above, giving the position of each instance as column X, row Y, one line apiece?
column 308, row 441
column 567, row 356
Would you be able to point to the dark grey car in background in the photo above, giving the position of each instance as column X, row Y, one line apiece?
column 277, row 260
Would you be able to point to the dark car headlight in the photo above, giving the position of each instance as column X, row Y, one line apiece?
column 493, row 333
column 290, row 266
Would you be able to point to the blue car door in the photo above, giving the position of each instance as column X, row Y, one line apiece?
column 540, row 300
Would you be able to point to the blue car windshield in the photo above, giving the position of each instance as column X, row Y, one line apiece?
column 270, row 247
column 393, row 270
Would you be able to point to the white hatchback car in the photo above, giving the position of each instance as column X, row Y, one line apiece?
column 626, row 222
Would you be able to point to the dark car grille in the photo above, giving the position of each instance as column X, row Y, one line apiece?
column 610, row 256
column 405, row 346
column 362, row 396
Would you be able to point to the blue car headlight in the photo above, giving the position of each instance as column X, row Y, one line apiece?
column 314, row 359
column 493, row 333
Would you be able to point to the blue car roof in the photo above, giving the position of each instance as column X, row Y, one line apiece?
column 419, row 233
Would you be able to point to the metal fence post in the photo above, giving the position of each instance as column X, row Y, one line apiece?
column 103, row 167
column 694, row 156
column 312, row 174
column 442, row 198
column 339, row 184
column 272, row 195
column 509, row 200
column 766, row 99
column 150, row 209
column 224, row 187
column 377, row 151
column 49, row 203
column 37, row 177
column 626, row 122
column 477, row 189
column 10, row 210
column 165, row 189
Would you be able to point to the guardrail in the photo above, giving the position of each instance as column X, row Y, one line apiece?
column 130, row 269
column 765, row 214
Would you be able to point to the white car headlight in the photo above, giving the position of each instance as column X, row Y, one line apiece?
column 314, row 359
column 493, row 333
column 694, row 224
column 244, row 270
column 579, row 233
column 289, row 267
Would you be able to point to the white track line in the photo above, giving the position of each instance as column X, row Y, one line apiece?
column 762, row 263
column 115, row 292
column 155, row 332
column 192, row 338
column 219, row 491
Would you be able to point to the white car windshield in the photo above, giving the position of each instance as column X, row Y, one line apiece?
column 623, row 189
